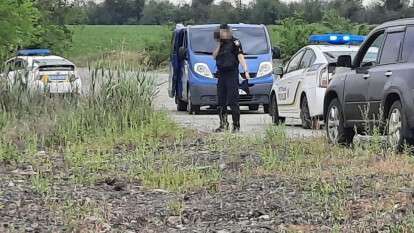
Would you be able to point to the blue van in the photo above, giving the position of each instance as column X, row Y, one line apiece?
column 192, row 80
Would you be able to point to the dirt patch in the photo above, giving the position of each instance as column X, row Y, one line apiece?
column 244, row 199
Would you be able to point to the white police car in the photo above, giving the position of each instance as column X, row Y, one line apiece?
column 298, row 91
column 43, row 72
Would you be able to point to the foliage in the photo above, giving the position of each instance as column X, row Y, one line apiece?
column 157, row 12
column 267, row 11
column 91, row 42
column 17, row 24
column 260, row 11
column 157, row 51
column 293, row 33
column 115, row 11
column 29, row 23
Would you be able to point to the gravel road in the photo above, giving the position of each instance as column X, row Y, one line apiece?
column 252, row 122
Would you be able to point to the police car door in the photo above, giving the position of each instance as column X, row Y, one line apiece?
column 15, row 70
column 289, row 82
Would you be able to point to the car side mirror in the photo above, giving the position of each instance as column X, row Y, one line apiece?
column 182, row 53
column 344, row 61
column 276, row 53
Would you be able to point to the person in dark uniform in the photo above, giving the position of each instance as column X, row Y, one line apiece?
column 228, row 56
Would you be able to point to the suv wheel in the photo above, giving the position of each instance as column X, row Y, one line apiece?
column 335, row 129
column 192, row 109
column 395, row 126
column 274, row 112
column 304, row 114
column 181, row 105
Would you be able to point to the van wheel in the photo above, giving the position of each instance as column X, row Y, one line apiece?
column 266, row 108
column 335, row 125
column 181, row 105
column 253, row 107
column 274, row 112
column 304, row 114
column 396, row 126
column 192, row 109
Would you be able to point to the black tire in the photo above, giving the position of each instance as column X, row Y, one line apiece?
column 266, row 108
column 304, row 114
column 274, row 112
column 253, row 107
column 191, row 108
column 397, row 145
column 181, row 105
column 344, row 135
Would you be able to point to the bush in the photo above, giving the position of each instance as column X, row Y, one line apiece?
column 157, row 51
column 293, row 33
column 119, row 100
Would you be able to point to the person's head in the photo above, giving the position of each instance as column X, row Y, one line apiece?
column 225, row 32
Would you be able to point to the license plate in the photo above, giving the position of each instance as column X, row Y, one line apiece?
column 59, row 87
column 241, row 92
column 57, row 78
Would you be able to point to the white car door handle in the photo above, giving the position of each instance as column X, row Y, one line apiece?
column 388, row 73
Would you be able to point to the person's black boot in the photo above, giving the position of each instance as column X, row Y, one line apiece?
column 236, row 127
column 224, row 124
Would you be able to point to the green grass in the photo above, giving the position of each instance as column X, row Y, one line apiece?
column 91, row 42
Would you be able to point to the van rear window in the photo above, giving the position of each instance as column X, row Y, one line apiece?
column 254, row 40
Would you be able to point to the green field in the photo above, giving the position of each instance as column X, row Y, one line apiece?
column 91, row 42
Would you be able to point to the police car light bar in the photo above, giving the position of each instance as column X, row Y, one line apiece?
column 34, row 52
column 336, row 39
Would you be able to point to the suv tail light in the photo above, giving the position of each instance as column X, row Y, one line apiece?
column 324, row 78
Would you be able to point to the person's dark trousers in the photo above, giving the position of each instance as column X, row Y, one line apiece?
column 228, row 95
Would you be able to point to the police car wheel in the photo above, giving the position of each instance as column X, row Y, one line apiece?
column 274, row 112
column 304, row 114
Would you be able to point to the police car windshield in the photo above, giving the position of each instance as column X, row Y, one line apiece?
column 253, row 40
column 332, row 56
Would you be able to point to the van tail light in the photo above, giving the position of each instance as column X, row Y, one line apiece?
column 324, row 78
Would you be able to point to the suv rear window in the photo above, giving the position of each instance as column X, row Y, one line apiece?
column 391, row 50
column 408, row 48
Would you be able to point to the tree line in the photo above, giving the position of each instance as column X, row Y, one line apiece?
column 210, row 11
column 33, row 24
column 43, row 23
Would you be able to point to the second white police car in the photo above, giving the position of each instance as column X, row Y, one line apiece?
column 42, row 72
column 298, row 91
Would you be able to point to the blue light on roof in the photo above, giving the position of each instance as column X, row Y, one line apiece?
column 336, row 39
column 34, row 52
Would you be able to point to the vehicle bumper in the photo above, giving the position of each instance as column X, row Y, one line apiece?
column 58, row 87
column 315, row 101
column 206, row 94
